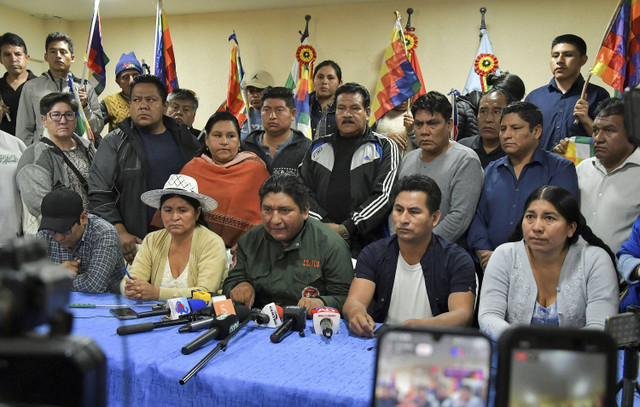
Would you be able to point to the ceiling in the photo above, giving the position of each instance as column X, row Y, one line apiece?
column 80, row 9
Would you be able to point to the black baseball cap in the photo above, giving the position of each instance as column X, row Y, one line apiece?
column 61, row 209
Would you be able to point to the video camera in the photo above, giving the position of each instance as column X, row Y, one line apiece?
column 44, row 369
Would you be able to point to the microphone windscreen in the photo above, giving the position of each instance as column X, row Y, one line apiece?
column 197, row 304
column 298, row 314
column 242, row 311
column 280, row 311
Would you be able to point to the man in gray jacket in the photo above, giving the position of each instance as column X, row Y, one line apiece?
column 59, row 56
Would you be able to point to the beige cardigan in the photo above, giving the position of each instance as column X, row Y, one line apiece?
column 207, row 262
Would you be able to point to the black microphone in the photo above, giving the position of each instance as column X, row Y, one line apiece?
column 150, row 326
column 243, row 314
column 259, row 317
column 153, row 313
column 199, row 325
column 220, row 328
column 294, row 318
column 147, row 326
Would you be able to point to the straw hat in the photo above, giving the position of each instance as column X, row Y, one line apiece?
column 179, row 184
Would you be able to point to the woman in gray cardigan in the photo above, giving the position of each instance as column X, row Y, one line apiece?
column 547, row 276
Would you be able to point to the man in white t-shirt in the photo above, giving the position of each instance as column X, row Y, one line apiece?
column 414, row 277
column 11, row 148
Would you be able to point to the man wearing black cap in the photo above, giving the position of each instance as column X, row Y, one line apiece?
column 85, row 244
column 115, row 108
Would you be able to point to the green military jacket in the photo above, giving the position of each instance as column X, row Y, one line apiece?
column 317, row 258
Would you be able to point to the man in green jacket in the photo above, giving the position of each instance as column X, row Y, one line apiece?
column 290, row 259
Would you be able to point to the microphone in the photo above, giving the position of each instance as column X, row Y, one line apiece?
column 220, row 327
column 294, row 320
column 326, row 321
column 150, row 326
column 259, row 318
column 199, row 325
column 275, row 315
column 181, row 306
column 147, row 326
column 175, row 308
column 245, row 315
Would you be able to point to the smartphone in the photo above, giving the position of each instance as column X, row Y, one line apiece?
column 551, row 366
column 124, row 313
column 420, row 366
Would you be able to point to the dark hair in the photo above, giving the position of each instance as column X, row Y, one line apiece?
column 527, row 112
column 48, row 101
column 152, row 79
column 610, row 107
column 221, row 117
column 420, row 183
column 497, row 91
column 280, row 92
column 184, row 94
column 433, row 102
column 330, row 63
column 58, row 36
column 572, row 39
column 13, row 39
column 569, row 208
column 192, row 201
column 509, row 83
column 288, row 184
column 351, row 88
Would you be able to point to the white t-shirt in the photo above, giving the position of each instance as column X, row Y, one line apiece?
column 409, row 297
column 11, row 148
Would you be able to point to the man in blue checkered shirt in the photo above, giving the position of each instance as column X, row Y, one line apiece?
column 85, row 244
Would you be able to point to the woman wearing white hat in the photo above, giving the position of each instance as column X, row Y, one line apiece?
column 183, row 256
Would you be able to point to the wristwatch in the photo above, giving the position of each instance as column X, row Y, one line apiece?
column 343, row 232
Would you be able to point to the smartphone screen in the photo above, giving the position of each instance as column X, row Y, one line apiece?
column 552, row 377
column 556, row 368
column 124, row 313
column 435, row 367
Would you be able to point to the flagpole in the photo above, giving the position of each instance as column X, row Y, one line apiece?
column 155, row 36
column 96, row 5
column 604, row 38
column 243, row 92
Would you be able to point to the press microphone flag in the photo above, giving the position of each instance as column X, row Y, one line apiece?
column 275, row 315
column 326, row 321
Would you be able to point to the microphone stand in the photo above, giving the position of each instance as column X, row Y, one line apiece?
column 222, row 345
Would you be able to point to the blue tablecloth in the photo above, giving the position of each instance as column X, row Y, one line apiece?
column 144, row 369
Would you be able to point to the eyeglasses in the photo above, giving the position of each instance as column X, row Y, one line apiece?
column 57, row 116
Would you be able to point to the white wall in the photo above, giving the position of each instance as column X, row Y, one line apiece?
column 354, row 35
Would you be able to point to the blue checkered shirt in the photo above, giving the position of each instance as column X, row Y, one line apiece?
column 100, row 254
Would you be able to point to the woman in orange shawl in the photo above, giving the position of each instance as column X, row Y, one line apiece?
column 229, row 176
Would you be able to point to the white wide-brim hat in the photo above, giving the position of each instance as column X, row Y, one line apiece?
column 179, row 184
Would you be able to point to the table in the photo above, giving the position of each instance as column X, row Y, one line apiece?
column 144, row 369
